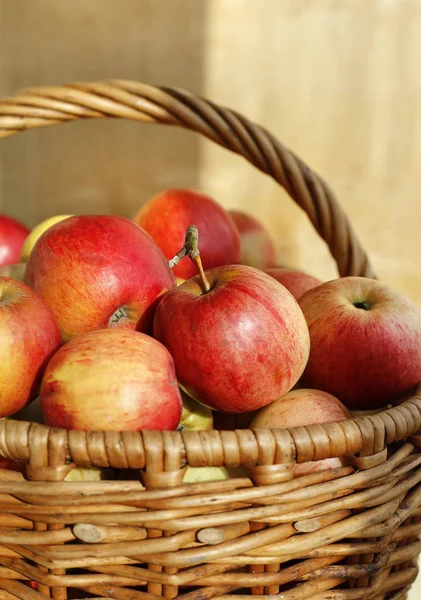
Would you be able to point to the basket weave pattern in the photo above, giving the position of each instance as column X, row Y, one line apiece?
column 342, row 534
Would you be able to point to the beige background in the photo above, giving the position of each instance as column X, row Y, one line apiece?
column 338, row 81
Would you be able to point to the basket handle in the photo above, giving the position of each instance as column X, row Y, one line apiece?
column 39, row 107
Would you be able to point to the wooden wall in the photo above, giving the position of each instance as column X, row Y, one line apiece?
column 337, row 81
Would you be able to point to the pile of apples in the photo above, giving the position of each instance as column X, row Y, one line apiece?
column 119, row 324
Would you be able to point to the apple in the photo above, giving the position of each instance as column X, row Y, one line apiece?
column 15, row 271
column 201, row 474
column 297, row 282
column 89, row 474
column 257, row 247
column 195, row 416
column 29, row 335
column 111, row 379
column 166, row 216
column 238, row 338
column 32, row 584
column 36, row 232
column 98, row 271
column 12, row 236
column 365, row 342
column 303, row 407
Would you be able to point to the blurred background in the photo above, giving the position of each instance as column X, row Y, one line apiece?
column 337, row 81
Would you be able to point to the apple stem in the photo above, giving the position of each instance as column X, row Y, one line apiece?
column 191, row 249
column 180, row 254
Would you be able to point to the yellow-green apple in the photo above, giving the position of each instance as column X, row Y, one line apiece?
column 98, row 271
column 195, row 416
column 166, row 217
column 238, row 338
column 111, row 379
column 257, row 247
column 365, row 341
column 297, row 282
column 89, row 474
column 12, row 236
column 36, row 232
column 29, row 335
column 303, row 407
column 15, row 271
column 200, row 474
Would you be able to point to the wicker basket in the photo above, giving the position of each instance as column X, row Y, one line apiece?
column 342, row 534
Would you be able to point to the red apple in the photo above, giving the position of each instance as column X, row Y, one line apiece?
column 29, row 335
column 98, row 271
column 257, row 247
column 111, row 379
column 166, row 217
column 12, row 236
column 297, row 282
column 194, row 416
column 299, row 408
column 30, row 583
column 365, row 342
column 240, row 345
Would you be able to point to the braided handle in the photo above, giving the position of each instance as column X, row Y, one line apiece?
column 40, row 107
